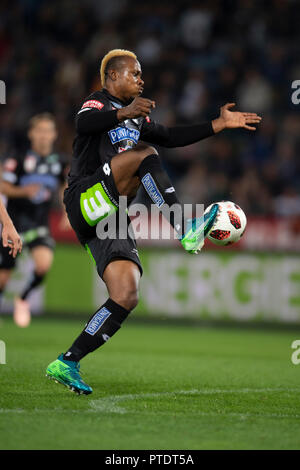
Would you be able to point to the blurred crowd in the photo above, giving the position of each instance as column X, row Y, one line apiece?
column 196, row 56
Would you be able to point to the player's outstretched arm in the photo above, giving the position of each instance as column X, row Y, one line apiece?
column 234, row 119
column 179, row 136
column 10, row 236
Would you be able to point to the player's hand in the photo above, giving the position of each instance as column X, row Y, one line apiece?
column 234, row 119
column 140, row 107
column 31, row 190
column 11, row 238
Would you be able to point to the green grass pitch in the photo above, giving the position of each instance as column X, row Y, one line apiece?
column 155, row 387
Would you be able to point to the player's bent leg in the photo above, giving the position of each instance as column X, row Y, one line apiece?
column 101, row 326
column 142, row 165
column 122, row 279
column 125, row 166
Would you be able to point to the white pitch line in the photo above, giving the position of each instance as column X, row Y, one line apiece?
column 110, row 404
column 10, row 410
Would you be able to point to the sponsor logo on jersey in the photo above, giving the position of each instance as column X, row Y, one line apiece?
column 92, row 104
column 151, row 188
column 116, row 105
column 129, row 145
column 97, row 321
column 170, row 190
column 106, row 169
column 124, row 133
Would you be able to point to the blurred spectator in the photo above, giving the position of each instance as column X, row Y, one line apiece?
column 196, row 25
column 193, row 99
column 254, row 93
column 288, row 202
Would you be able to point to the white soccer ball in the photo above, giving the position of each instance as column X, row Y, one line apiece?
column 230, row 224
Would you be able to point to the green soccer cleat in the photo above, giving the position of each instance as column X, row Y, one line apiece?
column 197, row 229
column 67, row 373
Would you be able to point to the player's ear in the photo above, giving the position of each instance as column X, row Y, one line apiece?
column 113, row 75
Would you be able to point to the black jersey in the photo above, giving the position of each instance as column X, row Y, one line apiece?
column 100, row 135
column 32, row 168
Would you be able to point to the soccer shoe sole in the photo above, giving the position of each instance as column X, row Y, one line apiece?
column 76, row 390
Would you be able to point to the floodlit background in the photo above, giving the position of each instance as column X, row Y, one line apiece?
column 195, row 56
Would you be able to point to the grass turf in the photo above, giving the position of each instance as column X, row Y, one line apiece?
column 155, row 387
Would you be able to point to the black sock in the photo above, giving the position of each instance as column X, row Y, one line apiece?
column 100, row 327
column 35, row 281
column 160, row 189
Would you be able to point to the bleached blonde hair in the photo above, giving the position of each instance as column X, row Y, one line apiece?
column 109, row 56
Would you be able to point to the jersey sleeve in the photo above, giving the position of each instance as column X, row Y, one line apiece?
column 94, row 116
column 177, row 136
column 10, row 170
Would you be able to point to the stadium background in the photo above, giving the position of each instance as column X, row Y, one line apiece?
column 194, row 60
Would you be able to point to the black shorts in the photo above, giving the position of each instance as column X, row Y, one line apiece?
column 89, row 201
column 30, row 240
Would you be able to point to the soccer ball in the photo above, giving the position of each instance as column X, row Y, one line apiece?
column 230, row 224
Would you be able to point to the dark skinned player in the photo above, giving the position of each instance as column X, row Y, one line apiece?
column 111, row 158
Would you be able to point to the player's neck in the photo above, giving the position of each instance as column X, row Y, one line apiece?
column 115, row 93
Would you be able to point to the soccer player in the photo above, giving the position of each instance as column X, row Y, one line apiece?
column 109, row 161
column 30, row 182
